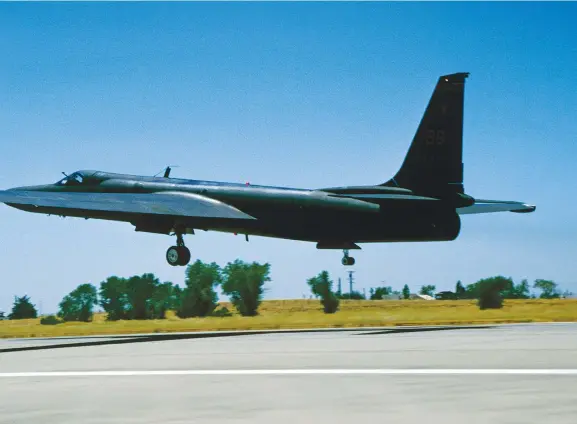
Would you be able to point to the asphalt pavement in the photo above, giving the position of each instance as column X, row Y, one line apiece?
column 486, row 374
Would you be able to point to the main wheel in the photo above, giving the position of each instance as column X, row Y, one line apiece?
column 173, row 255
column 185, row 255
column 178, row 255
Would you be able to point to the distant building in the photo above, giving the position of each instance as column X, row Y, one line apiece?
column 393, row 297
column 412, row 296
column 416, row 296
column 445, row 295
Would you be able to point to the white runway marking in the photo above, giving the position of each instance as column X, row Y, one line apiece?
column 292, row 372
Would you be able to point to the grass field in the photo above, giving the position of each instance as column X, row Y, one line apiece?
column 287, row 314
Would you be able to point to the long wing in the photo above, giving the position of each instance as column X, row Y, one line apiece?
column 489, row 206
column 172, row 204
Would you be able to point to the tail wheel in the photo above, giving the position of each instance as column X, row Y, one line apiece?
column 348, row 261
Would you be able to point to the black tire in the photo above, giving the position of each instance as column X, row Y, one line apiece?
column 348, row 261
column 184, row 256
column 173, row 255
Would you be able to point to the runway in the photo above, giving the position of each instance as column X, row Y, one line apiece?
column 498, row 374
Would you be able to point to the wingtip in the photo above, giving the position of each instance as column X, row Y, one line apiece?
column 527, row 209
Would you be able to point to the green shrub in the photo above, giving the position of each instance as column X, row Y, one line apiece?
column 490, row 296
column 321, row 286
column 244, row 284
column 330, row 303
column 199, row 298
column 50, row 320
column 222, row 312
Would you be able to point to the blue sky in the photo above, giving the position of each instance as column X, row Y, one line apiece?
column 290, row 94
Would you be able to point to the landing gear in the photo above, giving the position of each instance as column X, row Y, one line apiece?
column 347, row 260
column 179, row 254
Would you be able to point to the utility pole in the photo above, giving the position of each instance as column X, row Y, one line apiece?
column 339, row 290
column 350, row 283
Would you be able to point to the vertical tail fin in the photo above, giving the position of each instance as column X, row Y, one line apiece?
column 434, row 162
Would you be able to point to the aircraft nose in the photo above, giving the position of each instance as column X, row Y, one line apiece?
column 30, row 188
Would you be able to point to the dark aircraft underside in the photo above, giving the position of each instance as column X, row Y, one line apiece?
column 392, row 225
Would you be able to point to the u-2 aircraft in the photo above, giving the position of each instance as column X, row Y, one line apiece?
column 422, row 202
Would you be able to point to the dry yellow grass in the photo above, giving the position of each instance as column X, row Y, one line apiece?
column 288, row 314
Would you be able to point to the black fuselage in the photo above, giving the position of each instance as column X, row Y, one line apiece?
column 335, row 216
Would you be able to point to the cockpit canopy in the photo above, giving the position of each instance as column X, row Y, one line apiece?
column 79, row 178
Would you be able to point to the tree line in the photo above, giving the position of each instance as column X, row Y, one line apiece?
column 143, row 297
column 489, row 292
column 509, row 290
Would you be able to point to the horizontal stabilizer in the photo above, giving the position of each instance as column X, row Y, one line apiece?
column 490, row 206
column 167, row 204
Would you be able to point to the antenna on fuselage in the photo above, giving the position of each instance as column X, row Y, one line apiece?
column 166, row 171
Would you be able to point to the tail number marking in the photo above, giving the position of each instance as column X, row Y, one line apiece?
column 435, row 138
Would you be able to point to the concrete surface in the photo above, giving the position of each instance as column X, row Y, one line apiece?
column 337, row 398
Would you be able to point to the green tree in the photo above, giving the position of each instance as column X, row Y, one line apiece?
column 23, row 309
column 322, row 286
column 79, row 304
column 175, row 298
column 244, row 283
column 199, row 298
column 460, row 291
column 355, row 295
column 406, row 292
column 113, row 298
column 164, row 297
column 490, row 292
column 140, row 291
column 508, row 286
column 380, row 293
column 472, row 291
column 548, row 289
column 428, row 290
column 137, row 297
column 514, row 291
column 517, row 291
